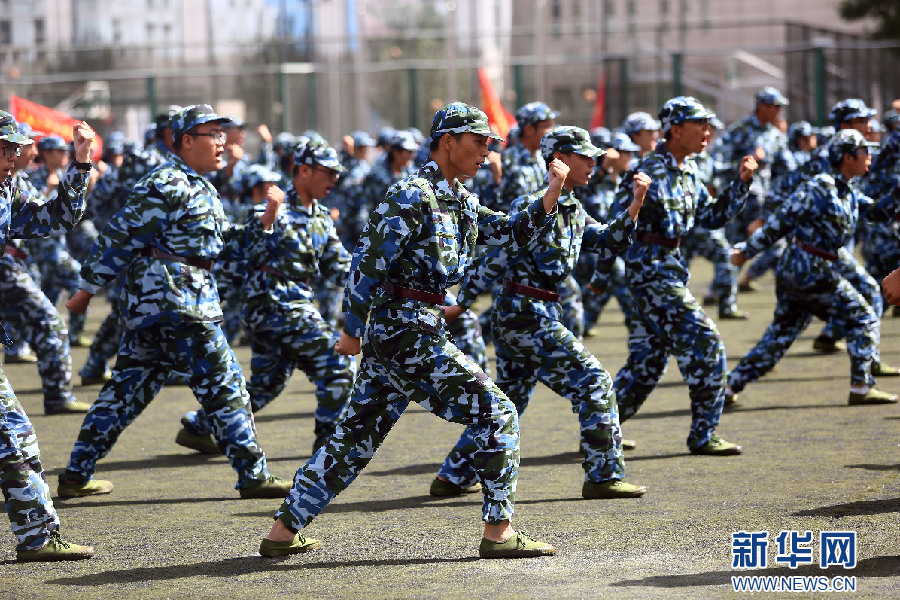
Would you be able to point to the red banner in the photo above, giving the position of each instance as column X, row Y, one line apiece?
column 46, row 121
column 598, row 117
column 500, row 118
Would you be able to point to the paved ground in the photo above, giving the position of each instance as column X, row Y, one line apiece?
column 175, row 528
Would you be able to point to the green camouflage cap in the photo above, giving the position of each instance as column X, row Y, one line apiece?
column 771, row 95
column 683, row 108
column 317, row 152
column 534, row 112
column 9, row 130
column 257, row 174
column 569, row 140
column 847, row 141
column 190, row 116
column 458, row 117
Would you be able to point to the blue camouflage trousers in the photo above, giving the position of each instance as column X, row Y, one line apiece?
column 712, row 245
column 146, row 356
column 279, row 347
column 794, row 310
column 668, row 320
column 407, row 356
column 22, row 478
column 30, row 315
column 465, row 332
column 594, row 303
column 871, row 292
column 538, row 347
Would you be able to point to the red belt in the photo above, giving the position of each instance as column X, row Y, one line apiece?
column 15, row 252
column 203, row 263
column 275, row 272
column 531, row 292
column 402, row 292
column 816, row 251
column 652, row 238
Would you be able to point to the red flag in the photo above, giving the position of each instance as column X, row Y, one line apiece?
column 46, row 120
column 499, row 118
column 598, row 117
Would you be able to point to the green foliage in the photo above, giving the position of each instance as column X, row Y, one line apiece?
column 885, row 13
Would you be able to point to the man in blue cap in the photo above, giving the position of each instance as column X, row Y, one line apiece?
column 667, row 319
column 286, row 330
column 419, row 241
column 32, row 516
column 643, row 130
column 164, row 243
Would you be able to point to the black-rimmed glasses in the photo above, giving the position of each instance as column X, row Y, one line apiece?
column 330, row 172
column 11, row 151
column 218, row 137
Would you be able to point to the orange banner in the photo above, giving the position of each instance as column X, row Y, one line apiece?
column 45, row 120
column 598, row 117
column 499, row 118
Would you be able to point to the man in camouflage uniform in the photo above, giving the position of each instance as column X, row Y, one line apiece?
column 643, row 130
column 164, row 242
column 667, row 320
column 755, row 135
column 34, row 520
column 285, row 329
column 531, row 340
column 59, row 269
column 881, row 245
column 104, row 200
column 419, row 242
column 821, row 217
column 26, row 310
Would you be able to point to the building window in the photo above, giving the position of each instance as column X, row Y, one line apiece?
column 5, row 33
column 556, row 17
column 39, row 37
column 117, row 31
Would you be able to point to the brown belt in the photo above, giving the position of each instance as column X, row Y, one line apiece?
column 816, row 251
column 402, row 292
column 203, row 263
column 531, row 292
column 652, row 238
column 15, row 252
column 275, row 272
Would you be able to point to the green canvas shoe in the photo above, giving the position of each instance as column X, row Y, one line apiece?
column 73, row 489
column 446, row 488
column 873, row 396
column 273, row 487
column 614, row 488
column 298, row 545
column 204, row 443
column 716, row 446
column 519, row 545
column 55, row 549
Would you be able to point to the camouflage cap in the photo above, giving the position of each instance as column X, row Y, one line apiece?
column 890, row 119
column 233, row 123
column 9, row 130
column 622, row 143
column 317, row 152
column 26, row 130
column 852, row 108
column 846, row 141
column 533, row 112
column 798, row 130
column 569, row 140
column 683, row 108
column 458, row 117
column 115, row 143
column 639, row 121
column 403, row 140
column 52, row 142
column 361, row 138
column 384, row 134
column 257, row 174
column 417, row 135
column 824, row 134
column 770, row 95
column 285, row 139
column 190, row 116
column 162, row 120
column 601, row 137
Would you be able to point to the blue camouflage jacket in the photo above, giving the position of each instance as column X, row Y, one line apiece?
column 744, row 137
column 423, row 236
column 177, row 211
column 303, row 244
column 823, row 213
column 676, row 202
column 25, row 217
column 551, row 256
column 523, row 172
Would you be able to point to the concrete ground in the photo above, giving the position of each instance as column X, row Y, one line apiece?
column 174, row 527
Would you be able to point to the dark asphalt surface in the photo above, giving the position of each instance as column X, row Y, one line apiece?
column 174, row 527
